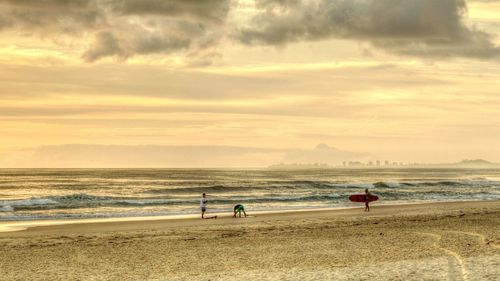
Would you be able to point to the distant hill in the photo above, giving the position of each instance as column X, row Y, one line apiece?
column 467, row 163
column 475, row 162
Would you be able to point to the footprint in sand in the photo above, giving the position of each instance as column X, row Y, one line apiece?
column 481, row 237
column 456, row 267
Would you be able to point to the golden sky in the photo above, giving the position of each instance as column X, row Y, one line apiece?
column 405, row 80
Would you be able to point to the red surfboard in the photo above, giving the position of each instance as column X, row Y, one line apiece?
column 362, row 198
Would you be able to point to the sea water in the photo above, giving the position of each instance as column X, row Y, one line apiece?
column 34, row 194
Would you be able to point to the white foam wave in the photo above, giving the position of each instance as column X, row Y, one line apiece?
column 6, row 208
column 8, row 205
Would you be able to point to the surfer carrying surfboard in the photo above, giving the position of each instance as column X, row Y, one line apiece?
column 367, row 200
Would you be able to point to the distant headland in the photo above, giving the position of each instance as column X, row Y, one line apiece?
column 466, row 163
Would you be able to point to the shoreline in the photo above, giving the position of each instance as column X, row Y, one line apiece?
column 194, row 219
column 430, row 241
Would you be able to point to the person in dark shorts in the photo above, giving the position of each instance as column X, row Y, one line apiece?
column 203, row 205
column 367, row 195
column 238, row 209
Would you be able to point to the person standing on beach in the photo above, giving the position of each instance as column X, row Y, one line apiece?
column 367, row 200
column 203, row 205
column 238, row 209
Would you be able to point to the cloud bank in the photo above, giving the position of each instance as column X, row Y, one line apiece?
column 121, row 28
column 425, row 28
column 125, row 28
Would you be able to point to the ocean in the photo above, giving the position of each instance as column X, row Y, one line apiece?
column 36, row 194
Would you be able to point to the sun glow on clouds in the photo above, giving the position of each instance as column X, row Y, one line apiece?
column 283, row 67
column 484, row 11
column 37, row 56
column 397, row 94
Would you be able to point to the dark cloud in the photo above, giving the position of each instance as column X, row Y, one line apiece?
column 471, row 43
column 411, row 27
column 46, row 16
column 124, row 28
column 4, row 23
column 206, row 10
column 105, row 44
column 142, row 41
column 121, row 28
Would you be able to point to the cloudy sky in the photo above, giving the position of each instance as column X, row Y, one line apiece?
column 255, row 80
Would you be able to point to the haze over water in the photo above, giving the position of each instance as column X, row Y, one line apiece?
column 27, row 194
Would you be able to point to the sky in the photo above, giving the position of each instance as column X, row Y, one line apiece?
column 247, row 83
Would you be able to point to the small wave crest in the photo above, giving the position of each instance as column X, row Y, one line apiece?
column 245, row 187
column 12, row 205
column 197, row 189
column 387, row 184
column 75, row 201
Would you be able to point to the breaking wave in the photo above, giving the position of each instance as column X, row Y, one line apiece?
column 75, row 193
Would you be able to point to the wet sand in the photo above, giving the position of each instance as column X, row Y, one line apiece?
column 435, row 241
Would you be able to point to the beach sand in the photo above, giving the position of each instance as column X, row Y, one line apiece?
column 435, row 241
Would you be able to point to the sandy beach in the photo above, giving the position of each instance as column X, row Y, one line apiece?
column 434, row 241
